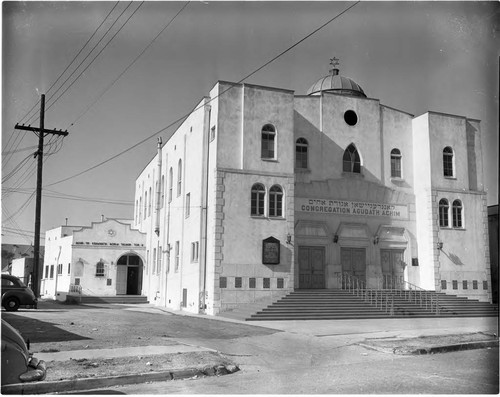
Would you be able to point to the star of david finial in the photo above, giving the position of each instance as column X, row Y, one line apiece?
column 334, row 62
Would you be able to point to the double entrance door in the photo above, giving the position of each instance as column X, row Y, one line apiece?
column 311, row 267
column 353, row 262
column 392, row 268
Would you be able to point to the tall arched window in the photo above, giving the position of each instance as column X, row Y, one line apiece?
column 457, row 213
column 443, row 213
column 301, row 147
column 179, row 179
column 448, row 170
column 276, row 201
column 136, row 211
column 149, row 202
column 257, row 200
column 145, row 204
column 140, row 208
column 162, row 191
column 170, row 182
column 99, row 269
column 268, row 142
column 395, row 163
column 351, row 159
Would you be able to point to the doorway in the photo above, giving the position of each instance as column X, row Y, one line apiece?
column 129, row 275
column 353, row 262
column 392, row 268
column 311, row 267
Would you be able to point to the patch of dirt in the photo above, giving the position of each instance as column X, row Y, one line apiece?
column 99, row 368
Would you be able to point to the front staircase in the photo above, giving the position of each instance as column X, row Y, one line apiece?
column 331, row 304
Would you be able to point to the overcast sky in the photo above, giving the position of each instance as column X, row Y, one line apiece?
column 413, row 56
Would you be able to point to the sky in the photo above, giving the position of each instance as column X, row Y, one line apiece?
column 412, row 56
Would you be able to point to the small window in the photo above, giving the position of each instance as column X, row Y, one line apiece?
column 443, row 213
column 153, row 270
column 212, row 133
column 99, row 269
column 485, row 285
column 351, row 118
column 351, row 160
column 145, row 205
column 257, row 200
column 108, row 281
column 474, row 284
column 251, row 282
column 69, row 268
column 60, row 268
column 443, row 284
column 268, row 142
column 46, row 272
column 150, row 202
column 267, row 282
column 51, row 271
column 237, row 282
column 223, row 282
column 455, row 284
column 281, row 283
column 188, row 205
column 457, row 213
column 395, row 163
column 448, row 160
column 301, row 147
column 464, row 284
column 194, row 251
column 77, row 281
column 162, row 187
column 160, row 254
column 275, row 201
column 177, row 247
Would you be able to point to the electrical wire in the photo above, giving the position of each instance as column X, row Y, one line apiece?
column 129, row 66
column 76, row 56
column 180, row 119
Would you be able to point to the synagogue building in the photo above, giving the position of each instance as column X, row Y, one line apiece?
column 262, row 191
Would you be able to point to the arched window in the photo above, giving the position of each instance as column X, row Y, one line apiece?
column 457, row 213
column 268, row 138
column 162, row 191
column 276, row 201
column 145, row 204
column 395, row 163
column 140, row 208
column 257, row 200
column 351, row 159
column 443, row 213
column 149, row 202
column 301, row 147
column 179, row 179
column 99, row 269
column 170, row 182
column 448, row 162
column 136, row 211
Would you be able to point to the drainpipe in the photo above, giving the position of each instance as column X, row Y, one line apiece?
column 57, row 272
column 204, row 208
column 158, row 190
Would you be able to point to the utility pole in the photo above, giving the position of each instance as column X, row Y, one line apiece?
column 38, row 211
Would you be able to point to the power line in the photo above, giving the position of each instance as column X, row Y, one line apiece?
column 93, row 59
column 76, row 56
column 129, row 66
column 212, row 99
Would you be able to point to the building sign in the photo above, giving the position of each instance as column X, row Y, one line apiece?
column 344, row 207
column 270, row 251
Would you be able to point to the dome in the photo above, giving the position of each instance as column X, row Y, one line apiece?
column 335, row 83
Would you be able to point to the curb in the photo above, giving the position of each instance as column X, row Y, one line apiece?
column 401, row 350
column 96, row 383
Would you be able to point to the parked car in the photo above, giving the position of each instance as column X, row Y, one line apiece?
column 18, row 364
column 15, row 294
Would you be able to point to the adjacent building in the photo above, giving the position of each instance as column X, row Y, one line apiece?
column 103, row 259
column 261, row 191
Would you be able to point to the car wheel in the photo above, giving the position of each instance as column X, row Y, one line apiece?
column 11, row 304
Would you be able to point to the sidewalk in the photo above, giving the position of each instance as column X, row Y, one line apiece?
column 386, row 336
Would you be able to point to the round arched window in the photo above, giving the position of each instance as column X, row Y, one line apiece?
column 350, row 117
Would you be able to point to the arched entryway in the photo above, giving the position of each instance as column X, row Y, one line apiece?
column 129, row 275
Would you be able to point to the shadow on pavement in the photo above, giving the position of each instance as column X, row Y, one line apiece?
column 39, row 331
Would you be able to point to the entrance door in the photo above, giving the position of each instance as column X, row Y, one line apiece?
column 132, row 280
column 392, row 268
column 121, row 280
column 354, row 262
column 129, row 275
column 311, row 267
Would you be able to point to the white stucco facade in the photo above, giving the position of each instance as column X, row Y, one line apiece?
column 329, row 183
column 104, row 259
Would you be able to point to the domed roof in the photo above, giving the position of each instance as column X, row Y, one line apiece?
column 337, row 84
